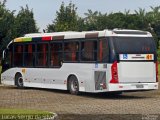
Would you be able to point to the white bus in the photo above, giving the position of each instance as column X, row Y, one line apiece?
column 116, row 60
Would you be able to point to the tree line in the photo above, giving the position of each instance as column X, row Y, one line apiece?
column 12, row 26
column 67, row 19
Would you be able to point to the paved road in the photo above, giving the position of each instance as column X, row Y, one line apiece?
column 65, row 104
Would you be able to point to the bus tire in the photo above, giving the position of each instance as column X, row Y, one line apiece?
column 73, row 85
column 19, row 80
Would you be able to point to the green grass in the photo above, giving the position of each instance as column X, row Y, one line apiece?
column 22, row 111
column 21, row 114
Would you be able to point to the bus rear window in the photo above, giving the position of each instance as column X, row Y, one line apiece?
column 134, row 45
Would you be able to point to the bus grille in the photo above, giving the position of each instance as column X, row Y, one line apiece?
column 100, row 80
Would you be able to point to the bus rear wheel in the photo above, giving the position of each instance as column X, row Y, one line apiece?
column 73, row 85
column 19, row 80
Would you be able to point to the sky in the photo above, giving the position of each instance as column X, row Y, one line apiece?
column 45, row 10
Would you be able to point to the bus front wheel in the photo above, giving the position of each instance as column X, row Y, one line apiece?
column 73, row 85
column 19, row 80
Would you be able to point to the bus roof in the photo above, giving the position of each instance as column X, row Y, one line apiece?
column 84, row 34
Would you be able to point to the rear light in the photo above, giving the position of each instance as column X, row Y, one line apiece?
column 114, row 73
column 157, row 71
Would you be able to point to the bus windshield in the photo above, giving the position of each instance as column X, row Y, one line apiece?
column 134, row 45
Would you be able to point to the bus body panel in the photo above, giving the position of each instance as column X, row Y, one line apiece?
column 136, row 72
column 55, row 78
column 8, row 76
column 85, row 73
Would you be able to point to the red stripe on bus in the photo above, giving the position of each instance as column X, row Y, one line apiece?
column 100, row 51
column 73, row 56
column 44, row 54
column 30, row 48
column 47, row 38
column 19, row 49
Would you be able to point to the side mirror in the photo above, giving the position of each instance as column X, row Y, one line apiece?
column 61, row 62
column 3, row 54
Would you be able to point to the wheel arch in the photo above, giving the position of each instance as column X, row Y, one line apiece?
column 16, row 75
column 69, row 78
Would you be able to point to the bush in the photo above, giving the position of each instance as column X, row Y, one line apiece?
column 158, row 55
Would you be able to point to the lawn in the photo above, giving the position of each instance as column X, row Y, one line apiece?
column 21, row 114
column 22, row 111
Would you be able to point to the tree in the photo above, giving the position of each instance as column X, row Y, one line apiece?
column 116, row 20
column 142, row 19
column 24, row 22
column 102, row 21
column 153, row 18
column 67, row 19
column 12, row 26
column 91, row 20
column 6, row 26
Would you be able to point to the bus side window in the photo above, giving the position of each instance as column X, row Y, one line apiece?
column 103, row 51
column 18, row 55
column 89, row 51
column 71, row 51
column 56, row 54
column 42, row 55
column 29, row 55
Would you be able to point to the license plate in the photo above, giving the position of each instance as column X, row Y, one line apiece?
column 139, row 86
